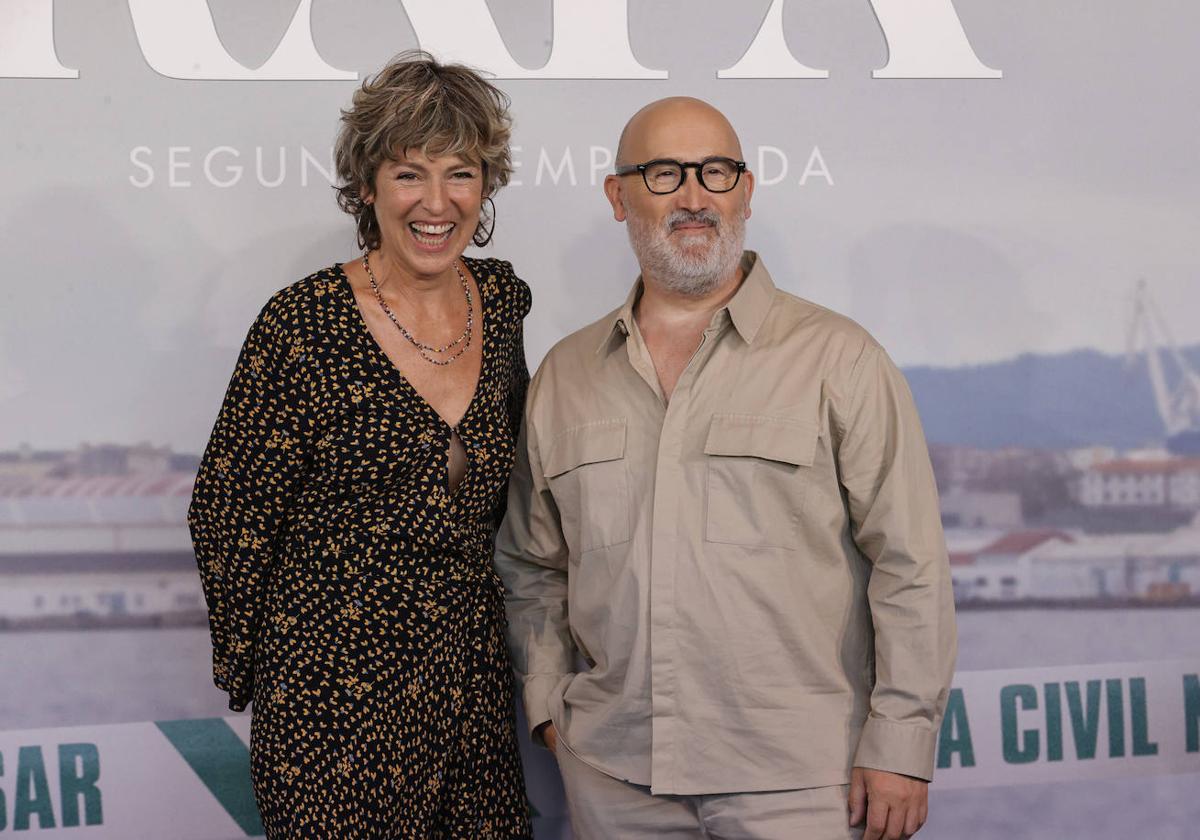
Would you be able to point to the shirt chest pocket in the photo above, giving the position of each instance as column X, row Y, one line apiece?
column 586, row 470
column 759, row 471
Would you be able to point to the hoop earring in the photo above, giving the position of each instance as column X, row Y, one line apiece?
column 368, row 227
column 479, row 238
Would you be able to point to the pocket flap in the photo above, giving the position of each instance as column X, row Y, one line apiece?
column 589, row 443
column 782, row 439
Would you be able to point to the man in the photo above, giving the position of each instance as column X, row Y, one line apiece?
column 723, row 504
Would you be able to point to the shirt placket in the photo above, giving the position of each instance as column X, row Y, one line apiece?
column 663, row 564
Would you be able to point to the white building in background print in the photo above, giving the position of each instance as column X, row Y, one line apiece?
column 925, row 40
column 1049, row 566
column 1133, row 483
column 96, row 536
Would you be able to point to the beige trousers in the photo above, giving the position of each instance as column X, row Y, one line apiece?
column 604, row 808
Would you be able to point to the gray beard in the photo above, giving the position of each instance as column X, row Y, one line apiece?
column 687, row 271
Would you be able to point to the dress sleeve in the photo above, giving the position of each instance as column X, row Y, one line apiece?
column 251, row 468
column 518, row 386
column 518, row 381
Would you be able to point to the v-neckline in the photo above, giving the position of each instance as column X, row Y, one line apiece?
column 382, row 359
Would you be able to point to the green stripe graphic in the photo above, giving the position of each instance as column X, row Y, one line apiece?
column 218, row 756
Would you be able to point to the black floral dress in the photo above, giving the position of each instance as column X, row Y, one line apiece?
column 351, row 595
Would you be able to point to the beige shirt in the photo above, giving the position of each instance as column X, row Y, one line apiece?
column 754, row 575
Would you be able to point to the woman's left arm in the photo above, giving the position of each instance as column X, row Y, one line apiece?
column 518, row 386
column 518, row 379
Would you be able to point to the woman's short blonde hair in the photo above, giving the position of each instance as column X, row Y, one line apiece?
column 417, row 102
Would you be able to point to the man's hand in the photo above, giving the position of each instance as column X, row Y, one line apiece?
column 549, row 735
column 894, row 806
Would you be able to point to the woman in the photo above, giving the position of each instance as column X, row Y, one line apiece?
column 345, row 508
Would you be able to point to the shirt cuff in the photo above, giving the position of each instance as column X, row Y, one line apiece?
column 538, row 691
column 896, row 748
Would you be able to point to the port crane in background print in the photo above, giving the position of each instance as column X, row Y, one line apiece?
column 1178, row 405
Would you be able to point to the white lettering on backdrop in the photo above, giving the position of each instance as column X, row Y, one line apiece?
column 180, row 41
column 225, row 166
column 27, row 42
column 590, row 40
column 925, row 40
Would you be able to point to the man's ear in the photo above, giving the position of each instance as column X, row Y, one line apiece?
column 612, row 190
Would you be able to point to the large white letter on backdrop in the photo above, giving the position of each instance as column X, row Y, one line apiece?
column 768, row 56
column 591, row 40
column 180, row 41
column 925, row 40
column 27, row 41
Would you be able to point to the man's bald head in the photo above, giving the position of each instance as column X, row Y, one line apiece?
column 688, row 239
column 656, row 128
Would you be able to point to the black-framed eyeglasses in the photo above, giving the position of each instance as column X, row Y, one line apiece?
column 663, row 176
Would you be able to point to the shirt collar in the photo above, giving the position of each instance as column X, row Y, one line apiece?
column 620, row 322
column 747, row 308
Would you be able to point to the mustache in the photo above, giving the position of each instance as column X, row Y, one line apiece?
column 687, row 217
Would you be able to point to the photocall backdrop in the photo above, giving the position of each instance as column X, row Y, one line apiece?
column 1002, row 193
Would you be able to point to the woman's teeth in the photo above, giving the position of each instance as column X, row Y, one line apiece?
column 431, row 234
